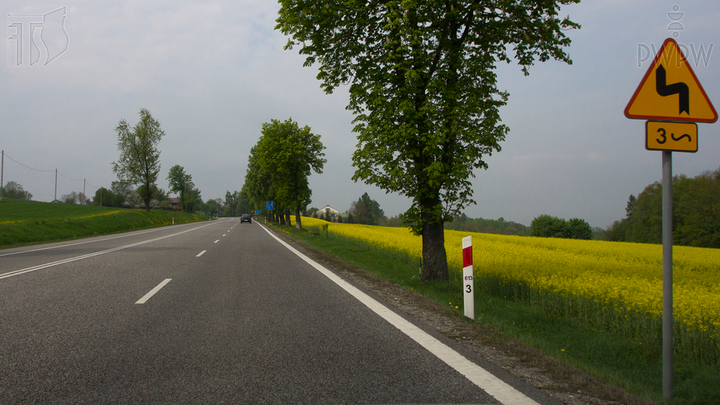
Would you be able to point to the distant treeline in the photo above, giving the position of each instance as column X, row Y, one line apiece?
column 696, row 213
column 497, row 226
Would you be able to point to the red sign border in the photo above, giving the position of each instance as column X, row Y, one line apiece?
column 647, row 75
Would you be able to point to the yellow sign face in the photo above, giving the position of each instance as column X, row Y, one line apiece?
column 672, row 136
column 670, row 90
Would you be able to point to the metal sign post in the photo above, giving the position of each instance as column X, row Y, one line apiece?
column 667, row 239
column 671, row 98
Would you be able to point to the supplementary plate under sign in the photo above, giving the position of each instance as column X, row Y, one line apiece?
column 672, row 136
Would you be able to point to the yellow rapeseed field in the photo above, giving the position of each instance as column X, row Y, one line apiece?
column 612, row 278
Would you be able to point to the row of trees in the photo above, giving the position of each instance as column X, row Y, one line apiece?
column 139, row 166
column 496, row 226
column 279, row 166
column 696, row 213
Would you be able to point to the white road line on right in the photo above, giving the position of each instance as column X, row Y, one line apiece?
column 500, row 390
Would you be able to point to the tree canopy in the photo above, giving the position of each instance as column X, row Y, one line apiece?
column 696, row 213
column 280, row 164
column 139, row 161
column 423, row 90
column 13, row 189
column 547, row 226
column 365, row 211
column 181, row 183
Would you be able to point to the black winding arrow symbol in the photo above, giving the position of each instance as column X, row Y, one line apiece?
column 680, row 88
column 681, row 137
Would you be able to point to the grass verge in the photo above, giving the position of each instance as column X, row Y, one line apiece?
column 30, row 222
column 624, row 362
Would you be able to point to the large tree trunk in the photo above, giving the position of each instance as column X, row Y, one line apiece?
column 298, row 224
column 435, row 265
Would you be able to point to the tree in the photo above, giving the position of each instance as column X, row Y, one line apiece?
column 182, row 184
column 108, row 198
column 231, row 204
column 365, row 211
column 579, row 229
column 423, row 89
column 546, row 226
column 280, row 164
column 139, row 161
column 12, row 189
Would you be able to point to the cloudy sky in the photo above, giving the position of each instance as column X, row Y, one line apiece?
column 212, row 72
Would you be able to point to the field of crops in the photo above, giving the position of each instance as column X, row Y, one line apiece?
column 609, row 285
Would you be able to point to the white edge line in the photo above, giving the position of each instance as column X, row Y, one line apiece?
column 152, row 292
column 201, row 253
column 492, row 385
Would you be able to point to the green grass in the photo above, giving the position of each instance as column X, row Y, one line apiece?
column 29, row 222
column 621, row 361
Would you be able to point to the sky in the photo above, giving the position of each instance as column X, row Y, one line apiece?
column 213, row 72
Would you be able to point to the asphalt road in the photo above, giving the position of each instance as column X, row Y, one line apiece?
column 214, row 312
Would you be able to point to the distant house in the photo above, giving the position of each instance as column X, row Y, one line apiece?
column 328, row 213
column 175, row 203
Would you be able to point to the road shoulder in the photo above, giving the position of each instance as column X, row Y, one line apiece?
column 558, row 380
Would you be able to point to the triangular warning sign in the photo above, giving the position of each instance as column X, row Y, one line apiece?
column 670, row 90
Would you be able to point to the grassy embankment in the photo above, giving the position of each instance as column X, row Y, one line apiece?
column 601, row 348
column 28, row 222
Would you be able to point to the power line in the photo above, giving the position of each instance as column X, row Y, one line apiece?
column 68, row 177
column 48, row 171
column 31, row 168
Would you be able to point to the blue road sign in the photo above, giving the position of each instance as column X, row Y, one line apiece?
column 269, row 205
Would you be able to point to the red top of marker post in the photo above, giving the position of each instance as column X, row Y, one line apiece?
column 467, row 251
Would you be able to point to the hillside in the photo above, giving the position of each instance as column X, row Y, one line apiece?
column 28, row 222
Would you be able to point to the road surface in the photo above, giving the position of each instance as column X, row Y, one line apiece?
column 215, row 312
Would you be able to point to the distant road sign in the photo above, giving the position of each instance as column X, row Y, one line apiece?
column 269, row 205
column 670, row 90
column 672, row 136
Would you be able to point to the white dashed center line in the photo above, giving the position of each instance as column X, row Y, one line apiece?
column 201, row 253
column 153, row 291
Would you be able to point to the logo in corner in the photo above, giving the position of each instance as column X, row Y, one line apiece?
column 38, row 34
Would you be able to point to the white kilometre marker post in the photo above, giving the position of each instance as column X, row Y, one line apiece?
column 468, row 285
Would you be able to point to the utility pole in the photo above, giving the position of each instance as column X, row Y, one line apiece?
column 55, row 186
column 2, row 174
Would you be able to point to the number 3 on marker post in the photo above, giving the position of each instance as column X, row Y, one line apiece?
column 672, row 136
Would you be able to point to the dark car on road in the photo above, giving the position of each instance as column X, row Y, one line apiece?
column 245, row 218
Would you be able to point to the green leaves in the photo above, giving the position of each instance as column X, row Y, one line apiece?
column 181, row 182
column 139, row 161
column 422, row 84
column 280, row 164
